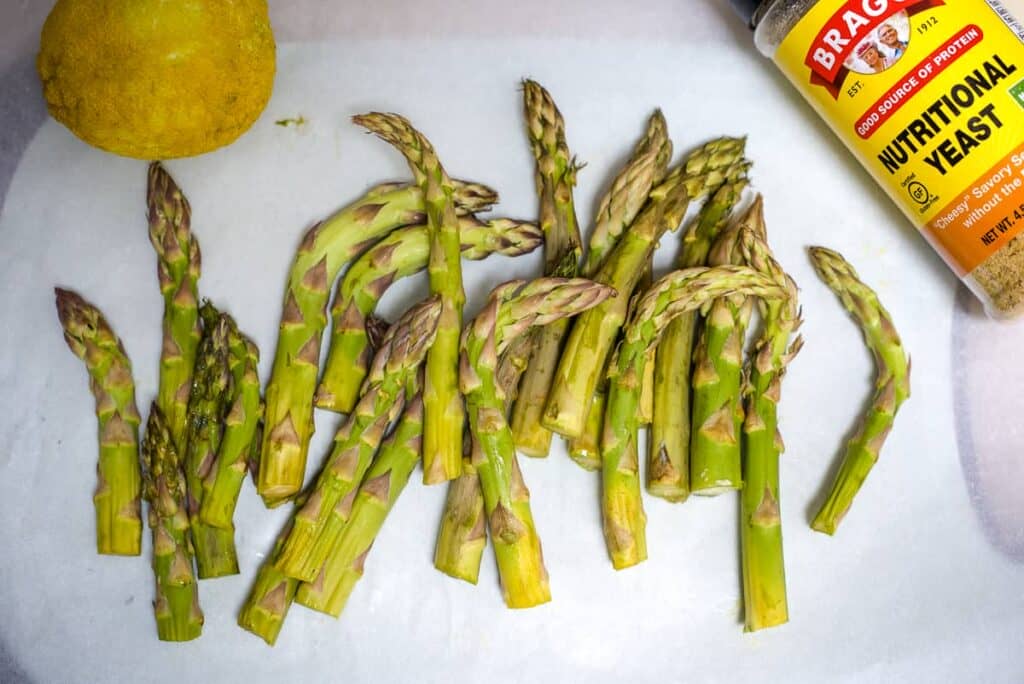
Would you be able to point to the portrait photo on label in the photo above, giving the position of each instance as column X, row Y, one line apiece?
column 883, row 47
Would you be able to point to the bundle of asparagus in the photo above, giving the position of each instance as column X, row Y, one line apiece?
column 320, row 520
column 324, row 251
column 516, row 373
column 400, row 254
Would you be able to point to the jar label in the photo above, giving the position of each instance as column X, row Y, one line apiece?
column 929, row 95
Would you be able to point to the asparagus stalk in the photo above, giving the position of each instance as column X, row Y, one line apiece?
column 325, row 249
column 383, row 483
column 593, row 335
column 116, row 500
column 444, row 414
column 176, row 607
column 671, row 296
column 214, row 546
column 668, row 455
column 717, row 415
column 618, row 209
column 511, row 311
column 892, row 385
column 764, row 577
column 463, row 533
column 178, row 267
column 321, row 519
column 395, row 364
column 555, row 177
column 272, row 593
column 240, row 425
column 398, row 255
column 646, row 406
column 628, row 192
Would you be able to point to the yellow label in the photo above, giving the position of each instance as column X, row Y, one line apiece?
column 929, row 94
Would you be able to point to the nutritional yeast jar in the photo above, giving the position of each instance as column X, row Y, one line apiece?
column 929, row 95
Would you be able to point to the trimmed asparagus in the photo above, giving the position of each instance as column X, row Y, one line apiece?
column 593, row 335
column 717, row 416
column 395, row 365
column 116, row 500
column 178, row 267
column 272, row 593
column 176, row 607
column 618, row 209
column 214, row 546
column 764, row 577
column 671, row 296
column 892, row 385
column 555, row 178
column 398, row 255
column 319, row 521
column 629, row 191
column 511, row 311
column 443, row 411
column 463, row 533
column 325, row 249
column 668, row 454
column 240, row 426
column 383, row 484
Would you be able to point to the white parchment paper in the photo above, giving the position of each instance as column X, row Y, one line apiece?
column 916, row 587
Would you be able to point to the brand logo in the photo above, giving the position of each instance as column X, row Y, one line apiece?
column 841, row 41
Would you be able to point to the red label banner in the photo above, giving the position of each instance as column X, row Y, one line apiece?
column 841, row 35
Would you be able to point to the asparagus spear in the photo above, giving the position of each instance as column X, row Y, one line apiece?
column 116, row 500
column 444, row 414
column 645, row 409
column 240, row 425
column 383, row 484
column 271, row 596
column 671, row 296
column 717, row 415
column 628, row 192
column 593, row 335
column 619, row 207
column 178, row 266
column 511, row 311
column 214, row 546
column 463, row 533
column 764, row 577
column 398, row 255
column 325, row 249
column 395, row 364
column 555, row 178
column 319, row 522
column 668, row 455
column 892, row 383
column 176, row 607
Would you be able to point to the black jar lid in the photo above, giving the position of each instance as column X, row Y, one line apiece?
column 746, row 9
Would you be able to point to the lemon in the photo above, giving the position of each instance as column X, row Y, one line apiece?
column 154, row 79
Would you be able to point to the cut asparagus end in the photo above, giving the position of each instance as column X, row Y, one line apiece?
column 462, row 537
column 585, row 450
column 267, row 606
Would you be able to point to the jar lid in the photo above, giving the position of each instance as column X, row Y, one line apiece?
column 746, row 9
